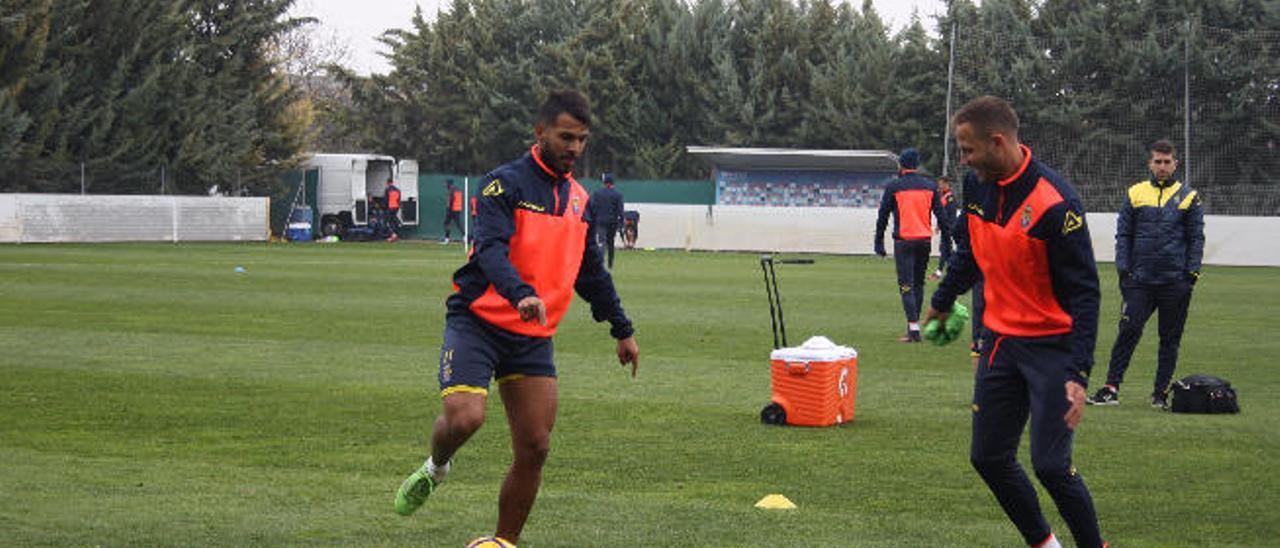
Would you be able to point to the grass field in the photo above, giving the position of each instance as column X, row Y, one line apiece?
column 150, row 395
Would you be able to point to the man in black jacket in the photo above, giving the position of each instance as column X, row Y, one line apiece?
column 604, row 210
column 1159, row 245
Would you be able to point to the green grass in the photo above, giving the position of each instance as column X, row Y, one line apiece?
column 150, row 396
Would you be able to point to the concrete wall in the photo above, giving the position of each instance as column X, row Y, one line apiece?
column 100, row 218
column 1244, row 241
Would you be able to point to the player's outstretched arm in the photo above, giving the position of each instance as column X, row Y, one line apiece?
column 629, row 353
column 595, row 285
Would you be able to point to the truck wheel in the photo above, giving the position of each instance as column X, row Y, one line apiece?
column 331, row 225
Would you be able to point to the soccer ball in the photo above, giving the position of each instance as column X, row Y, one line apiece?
column 490, row 542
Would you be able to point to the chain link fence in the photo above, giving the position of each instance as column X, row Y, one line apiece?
column 1091, row 107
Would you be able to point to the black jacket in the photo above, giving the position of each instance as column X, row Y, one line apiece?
column 605, row 207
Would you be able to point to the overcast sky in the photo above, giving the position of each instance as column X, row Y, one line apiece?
column 358, row 22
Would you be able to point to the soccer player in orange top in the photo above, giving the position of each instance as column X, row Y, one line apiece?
column 452, row 209
column 533, row 250
column 910, row 199
column 1023, row 232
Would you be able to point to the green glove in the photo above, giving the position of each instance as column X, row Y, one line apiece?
column 933, row 334
column 941, row 334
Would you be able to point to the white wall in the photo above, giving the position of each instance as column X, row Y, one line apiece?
column 1228, row 240
column 100, row 218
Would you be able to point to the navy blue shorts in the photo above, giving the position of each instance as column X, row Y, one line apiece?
column 475, row 351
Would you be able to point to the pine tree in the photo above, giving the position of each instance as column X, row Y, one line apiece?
column 24, row 28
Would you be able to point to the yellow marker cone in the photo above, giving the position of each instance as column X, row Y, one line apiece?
column 775, row 502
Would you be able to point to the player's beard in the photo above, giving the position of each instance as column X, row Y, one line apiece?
column 561, row 163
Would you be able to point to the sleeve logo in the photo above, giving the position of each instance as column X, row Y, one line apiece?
column 494, row 188
column 1071, row 222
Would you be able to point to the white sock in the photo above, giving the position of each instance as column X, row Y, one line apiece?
column 1051, row 542
column 913, row 326
column 437, row 473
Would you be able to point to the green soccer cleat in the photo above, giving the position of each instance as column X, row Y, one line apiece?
column 413, row 492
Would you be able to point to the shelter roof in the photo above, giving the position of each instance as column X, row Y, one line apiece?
column 858, row 161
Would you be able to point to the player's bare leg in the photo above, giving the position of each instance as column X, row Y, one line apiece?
column 531, row 404
column 463, row 415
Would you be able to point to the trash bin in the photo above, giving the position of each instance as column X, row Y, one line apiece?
column 299, row 227
column 816, row 383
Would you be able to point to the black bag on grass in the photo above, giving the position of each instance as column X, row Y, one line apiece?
column 1204, row 394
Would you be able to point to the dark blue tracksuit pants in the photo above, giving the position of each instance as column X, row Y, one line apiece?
column 1140, row 300
column 1021, row 378
column 605, row 234
column 911, row 257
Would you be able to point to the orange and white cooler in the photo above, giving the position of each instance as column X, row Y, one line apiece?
column 815, row 383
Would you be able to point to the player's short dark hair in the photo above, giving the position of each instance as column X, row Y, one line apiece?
column 988, row 115
column 566, row 101
column 1163, row 146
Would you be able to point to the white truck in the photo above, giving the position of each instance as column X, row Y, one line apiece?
column 348, row 183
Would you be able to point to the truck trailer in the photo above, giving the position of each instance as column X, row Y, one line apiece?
column 351, row 186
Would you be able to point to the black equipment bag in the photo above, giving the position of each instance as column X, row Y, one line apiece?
column 1203, row 394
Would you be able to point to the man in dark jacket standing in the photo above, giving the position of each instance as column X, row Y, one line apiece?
column 910, row 199
column 1159, row 245
column 605, row 215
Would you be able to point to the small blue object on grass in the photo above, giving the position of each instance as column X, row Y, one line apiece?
column 240, row 269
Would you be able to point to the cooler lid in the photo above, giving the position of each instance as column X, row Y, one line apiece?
column 816, row 349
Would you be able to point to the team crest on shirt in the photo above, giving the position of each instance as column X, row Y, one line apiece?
column 577, row 204
column 1027, row 217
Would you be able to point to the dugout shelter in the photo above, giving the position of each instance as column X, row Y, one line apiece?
column 799, row 177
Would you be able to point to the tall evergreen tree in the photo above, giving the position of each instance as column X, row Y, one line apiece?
column 153, row 96
column 24, row 28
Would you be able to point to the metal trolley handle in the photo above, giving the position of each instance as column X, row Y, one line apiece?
column 775, row 299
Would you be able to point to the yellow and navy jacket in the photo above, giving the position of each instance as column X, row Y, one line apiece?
column 532, row 240
column 1026, row 237
column 1160, row 233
